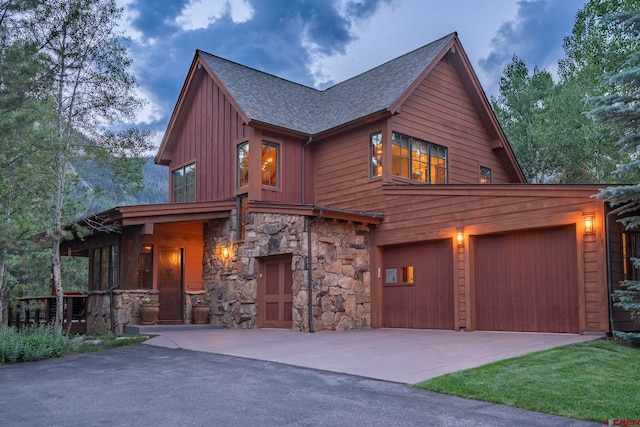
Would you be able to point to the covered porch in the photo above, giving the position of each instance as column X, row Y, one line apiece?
column 144, row 253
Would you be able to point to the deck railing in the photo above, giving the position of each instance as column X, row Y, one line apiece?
column 42, row 310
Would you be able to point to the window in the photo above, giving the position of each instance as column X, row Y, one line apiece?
column 184, row 183
column 242, row 158
column 418, row 160
column 485, row 175
column 106, row 269
column 376, row 154
column 142, row 278
column 399, row 275
column 270, row 164
column 242, row 208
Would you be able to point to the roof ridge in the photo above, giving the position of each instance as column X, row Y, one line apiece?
column 257, row 70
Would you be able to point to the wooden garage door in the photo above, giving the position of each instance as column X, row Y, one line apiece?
column 527, row 281
column 275, row 305
column 422, row 298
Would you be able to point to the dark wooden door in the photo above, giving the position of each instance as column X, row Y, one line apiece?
column 527, row 281
column 420, row 297
column 275, row 299
column 170, row 285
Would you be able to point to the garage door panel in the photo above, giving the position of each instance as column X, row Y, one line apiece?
column 527, row 281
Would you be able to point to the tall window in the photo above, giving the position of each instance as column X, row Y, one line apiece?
column 106, row 268
column 375, row 147
column 485, row 175
column 143, row 276
column 418, row 160
column 242, row 160
column 184, row 183
column 270, row 164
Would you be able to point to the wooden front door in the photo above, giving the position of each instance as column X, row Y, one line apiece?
column 170, row 285
column 275, row 298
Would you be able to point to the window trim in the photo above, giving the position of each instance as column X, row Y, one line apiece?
column 183, row 190
column 275, row 145
column 431, row 167
column 238, row 168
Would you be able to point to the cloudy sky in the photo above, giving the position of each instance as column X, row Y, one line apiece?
column 322, row 42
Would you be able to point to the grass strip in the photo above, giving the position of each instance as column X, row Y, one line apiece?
column 595, row 380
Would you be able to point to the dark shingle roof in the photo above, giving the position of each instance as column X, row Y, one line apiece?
column 282, row 103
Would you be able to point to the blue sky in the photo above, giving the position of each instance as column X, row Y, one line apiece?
column 322, row 42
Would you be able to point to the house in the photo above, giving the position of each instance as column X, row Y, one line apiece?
column 392, row 199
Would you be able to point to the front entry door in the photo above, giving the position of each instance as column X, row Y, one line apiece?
column 275, row 299
column 170, row 285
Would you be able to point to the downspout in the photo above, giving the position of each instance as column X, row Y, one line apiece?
column 304, row 146
column 609, row 273
column 309, row 274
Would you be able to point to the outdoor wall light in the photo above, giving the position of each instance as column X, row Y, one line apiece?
column 588, row 223
column 460, row 236
column 225, row 252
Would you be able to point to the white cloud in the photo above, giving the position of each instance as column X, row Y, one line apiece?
column 200, row 13
column 125, row 23
column 403, row 26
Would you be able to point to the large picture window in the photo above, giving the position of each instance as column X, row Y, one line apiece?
column 418, row 160
column 270, row 164
column 183, row 181
column 242, row 164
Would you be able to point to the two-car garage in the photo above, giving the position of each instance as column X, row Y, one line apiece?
column 520, row 281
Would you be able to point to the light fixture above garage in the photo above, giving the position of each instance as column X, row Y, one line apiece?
column 588, row 222
column 460, row 236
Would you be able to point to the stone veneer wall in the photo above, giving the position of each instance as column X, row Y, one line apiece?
column 340, row 270
column 125, row 309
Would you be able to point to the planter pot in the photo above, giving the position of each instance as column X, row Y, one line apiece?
column 149, row 314
column 200, row 314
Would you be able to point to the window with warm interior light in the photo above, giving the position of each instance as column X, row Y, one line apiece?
column 418, row 160
column 375, row 147
column 399, row 275
column 242, row 164
column 183, row 182
column 485, row 175
column 270, row 164
column 105, row 270
column 142, row 278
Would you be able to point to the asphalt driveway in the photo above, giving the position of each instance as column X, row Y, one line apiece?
column 150, row 385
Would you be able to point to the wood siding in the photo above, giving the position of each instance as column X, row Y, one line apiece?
column 207, row 132
column 291, row 181
column 440, row 111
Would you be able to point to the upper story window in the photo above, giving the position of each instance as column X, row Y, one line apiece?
column 242, row 160
column 418, row 160
column 183, row 181
column 270, row 164
column 375, row 147
column 485, row 175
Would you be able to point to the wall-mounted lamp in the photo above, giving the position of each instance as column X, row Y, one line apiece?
column 588, row 223
column 225, row 252
column 460, row 236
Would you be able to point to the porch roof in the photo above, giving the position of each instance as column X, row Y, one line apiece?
column 373, row 218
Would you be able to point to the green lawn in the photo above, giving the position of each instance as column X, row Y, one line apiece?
column 594, row 380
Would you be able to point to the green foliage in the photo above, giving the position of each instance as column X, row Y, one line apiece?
column 594, row 380
column 629, row 298
column 34, row 343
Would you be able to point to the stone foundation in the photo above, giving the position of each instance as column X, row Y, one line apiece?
column 126, row 305
column 340, row 270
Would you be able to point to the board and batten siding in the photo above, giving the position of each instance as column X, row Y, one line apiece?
column 208, row 130
column 290, row 186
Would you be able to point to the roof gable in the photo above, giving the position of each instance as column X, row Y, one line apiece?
column 265, row 99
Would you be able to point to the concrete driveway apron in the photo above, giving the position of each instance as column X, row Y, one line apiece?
column 398, row 355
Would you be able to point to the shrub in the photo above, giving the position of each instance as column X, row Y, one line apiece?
column 33, row 343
